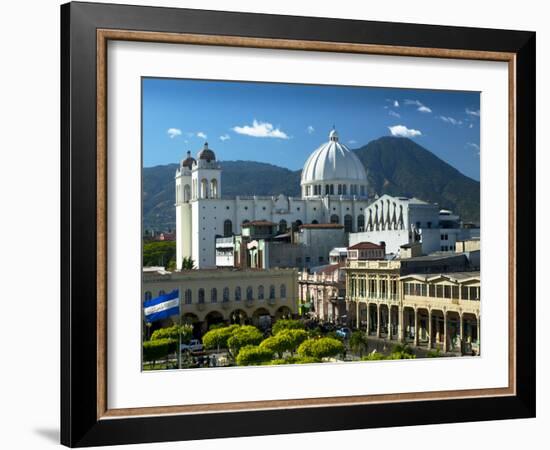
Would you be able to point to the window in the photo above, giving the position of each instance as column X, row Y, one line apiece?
column 327, row 189
column 238, row 294
column 282, row 226
column 348, row 223
column 188, row 297
column 429, row 224
column 249, row 293
column 334, row 219
column 214, row 295
column 260, row 292
column 332, row 189
column 308, row 259
column 417, row 225
column 148, row 295
column 362, row 190
column 339, row 189
column 227, row 228
column 360, row 222
column 283, row 291
column 201, row 295
column 271, row 292
column 321, row 259
column 161, row 292
column 225, row 294
column 344, row 189
column 314, row 222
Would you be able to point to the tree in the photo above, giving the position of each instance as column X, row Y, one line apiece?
column 285, row 341
column 187, row 264
column 186, row 332
column 158, row 253
column 321, row 348
column 253, row 355
column 358, row 342
column 243, row 336
column 287, row 324
column 401, row 351
column 374, row 356
column 157, row 349
column 217, row 337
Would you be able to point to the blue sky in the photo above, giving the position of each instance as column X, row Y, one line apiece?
column 282, row 124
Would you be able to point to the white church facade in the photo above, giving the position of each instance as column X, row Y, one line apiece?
column 333, row 187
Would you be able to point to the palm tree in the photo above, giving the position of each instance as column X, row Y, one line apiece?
column 187, row 264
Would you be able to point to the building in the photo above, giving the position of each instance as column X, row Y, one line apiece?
column 333, row 191
column 338, row 255
column 366, row 250
column 430, row 300
column 321, row 293
column 231, row 296
column 399, row 221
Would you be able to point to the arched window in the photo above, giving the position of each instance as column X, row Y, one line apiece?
column 348, row 223
column 362, row 189
column 148, row 295
column 186, row 193
column 327, row 189
column 214, row 295
column 225, row 294
column 282, row 226
column 283, row 291
column 314, row 222
column 188, row 297
column 271, row 292
column 227, row 228
column 360, row 222
column 204, row 188
column 260, row 292
column 201, row 295
column 334, row 219
column 238, row 294
column 332, row 189
column 249, row 293
column 297, row 224
column 214, row 188
column 161, row 292
column 339, row 189
column 345, row 189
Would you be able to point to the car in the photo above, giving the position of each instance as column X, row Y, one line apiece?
column 344, row 332
column 194, row 345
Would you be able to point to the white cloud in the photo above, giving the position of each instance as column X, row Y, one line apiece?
column 173, row 132
column 352, row 141
column 201, row 135
column 421, row 107
column 403, row 131
column 392, row 113
column 472, row 112
column 310, row 129
column 225, row 137
column 474, row 146
column 261, row 129
column 471, row 125
column 450, row 120
column 395, row 104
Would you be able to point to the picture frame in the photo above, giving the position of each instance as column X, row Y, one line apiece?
column 86, row 418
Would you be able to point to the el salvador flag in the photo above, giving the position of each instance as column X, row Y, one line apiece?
column 162, row 307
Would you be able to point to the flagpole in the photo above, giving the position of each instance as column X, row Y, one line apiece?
column 179, row 330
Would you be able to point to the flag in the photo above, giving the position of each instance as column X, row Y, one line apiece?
column 162, row 307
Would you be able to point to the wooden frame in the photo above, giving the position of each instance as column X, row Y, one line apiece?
column 86, row 419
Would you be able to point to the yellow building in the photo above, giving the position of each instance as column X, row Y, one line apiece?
column 435, row 309
column 232, row 296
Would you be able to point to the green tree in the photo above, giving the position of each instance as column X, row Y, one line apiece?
column 243, row 336
column 158, row 253
column 250, row 355
column 187, row 264
column 157, row 349
column 186, row 332
column 294, row 360
column 401, row 351
column 434, row 353
column 358, row 342
column 286, row 340
column 374, row 356
column 217, row 337
column 287, row 324
column 321, row 348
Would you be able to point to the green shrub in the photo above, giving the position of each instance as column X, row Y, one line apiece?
column 374, row 356
column 321, row 348
column 243, row 336
column 358, row 342
column 217, row 337
column 158, row 349
column 286, row 340
column 253, row 355
column 172, row 333
column 287, row 324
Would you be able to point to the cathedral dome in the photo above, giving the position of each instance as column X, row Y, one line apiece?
column 188, row 162
column 333, row 161
column 207, row 153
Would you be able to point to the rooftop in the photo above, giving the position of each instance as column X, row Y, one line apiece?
column 258, row 223
column 367, row 246
column 456, row 277
column 321, row 226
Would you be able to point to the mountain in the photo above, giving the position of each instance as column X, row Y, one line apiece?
column 399, row 166
column 395, row 166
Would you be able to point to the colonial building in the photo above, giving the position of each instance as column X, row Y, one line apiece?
column 322, row 293
column 430, row 301
column 232, row 296
column 333, row 191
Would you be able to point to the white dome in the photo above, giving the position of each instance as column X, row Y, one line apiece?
column 333, row 161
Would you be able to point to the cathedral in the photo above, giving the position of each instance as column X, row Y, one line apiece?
column 333, row 190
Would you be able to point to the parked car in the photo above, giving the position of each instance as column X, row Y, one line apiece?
column 194, row 345
column 344, row 332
